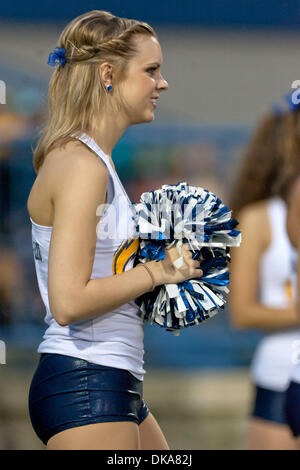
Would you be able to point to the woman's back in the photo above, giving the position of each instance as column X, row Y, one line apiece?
column 40, row 203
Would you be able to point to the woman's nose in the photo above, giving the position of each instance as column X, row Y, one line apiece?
column 163, row 84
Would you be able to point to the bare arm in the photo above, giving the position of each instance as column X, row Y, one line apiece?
column 80, row 188
column 246, row 310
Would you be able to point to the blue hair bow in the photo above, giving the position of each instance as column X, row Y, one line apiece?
column 292, row 104
column 58, row 56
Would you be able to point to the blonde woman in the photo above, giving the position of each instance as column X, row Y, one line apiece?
column 87, row 390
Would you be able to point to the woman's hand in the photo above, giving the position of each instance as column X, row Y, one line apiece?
column 164, row 272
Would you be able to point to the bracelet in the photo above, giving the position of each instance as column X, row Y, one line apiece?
column 150, row 273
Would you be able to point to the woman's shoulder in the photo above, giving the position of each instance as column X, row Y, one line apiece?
column 69, row 167
column 74, row 157
column 71, row 154
column 255, row 211
column 254, row 222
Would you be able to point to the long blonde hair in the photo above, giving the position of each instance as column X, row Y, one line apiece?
column 76, row 94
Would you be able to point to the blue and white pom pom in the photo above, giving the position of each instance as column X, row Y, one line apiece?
column 177, row 214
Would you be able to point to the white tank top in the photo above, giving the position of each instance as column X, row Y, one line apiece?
column 272, row 364
column 115, row 338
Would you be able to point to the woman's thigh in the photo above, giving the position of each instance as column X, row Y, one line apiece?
column 151, row 435
column 267, row 435
column 121, row 435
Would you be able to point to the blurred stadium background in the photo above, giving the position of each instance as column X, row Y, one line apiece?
column 226, row 64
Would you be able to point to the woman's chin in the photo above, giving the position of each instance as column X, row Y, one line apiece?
column 150, row 116
column 144, row 120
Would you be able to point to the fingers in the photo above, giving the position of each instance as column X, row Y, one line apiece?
column 189, row 263
column 187, row 252
column 194, row 265
column 185, row 246
column 197, row 268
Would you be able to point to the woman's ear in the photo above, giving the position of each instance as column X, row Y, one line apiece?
column 105, row 73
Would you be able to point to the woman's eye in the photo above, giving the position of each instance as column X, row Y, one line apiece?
column 151, row 70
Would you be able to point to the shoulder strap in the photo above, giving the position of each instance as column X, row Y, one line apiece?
column 95, row 147
column 277, row 217
column 87, row 140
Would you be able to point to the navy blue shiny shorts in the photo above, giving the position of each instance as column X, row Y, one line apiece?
column 67, row 392
column 293, row 408
column 270, row 405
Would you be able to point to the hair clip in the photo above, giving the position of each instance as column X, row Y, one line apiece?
column 57, row 57
column 292, row 105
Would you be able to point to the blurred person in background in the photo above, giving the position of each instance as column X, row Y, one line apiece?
column 263, row 288
column 12, row 284
column 292, row 149
column 13, row 126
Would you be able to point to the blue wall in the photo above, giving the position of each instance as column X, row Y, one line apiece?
column 218, row 13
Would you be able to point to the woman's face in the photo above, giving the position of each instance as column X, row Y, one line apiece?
column 144, row 82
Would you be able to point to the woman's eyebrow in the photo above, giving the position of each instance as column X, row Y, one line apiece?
column 154, row 64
